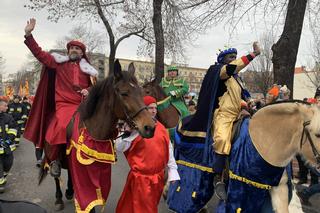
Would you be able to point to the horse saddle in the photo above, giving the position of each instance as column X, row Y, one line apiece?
column 237, row 126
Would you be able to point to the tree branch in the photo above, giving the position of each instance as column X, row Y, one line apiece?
column 128, row 35
column 194, row 5
column 144, row 38
column 105, row 21
column 103, row 5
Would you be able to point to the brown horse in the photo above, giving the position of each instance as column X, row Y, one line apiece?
column 117, row 97
column 168, row 116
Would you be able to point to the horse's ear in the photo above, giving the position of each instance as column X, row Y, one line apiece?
column 117, row 70
column 153, row 81
column 131, row 68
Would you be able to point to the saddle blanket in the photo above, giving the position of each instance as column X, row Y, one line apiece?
column 90, row 166
column 250, row 176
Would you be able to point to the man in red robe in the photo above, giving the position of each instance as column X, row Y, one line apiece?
column 147, row 159
column 64, row 83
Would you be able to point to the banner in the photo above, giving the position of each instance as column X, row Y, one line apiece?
column 21, row 90
column 9, row 91
column 26, row 89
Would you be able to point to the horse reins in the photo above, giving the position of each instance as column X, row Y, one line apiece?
column 316, row 153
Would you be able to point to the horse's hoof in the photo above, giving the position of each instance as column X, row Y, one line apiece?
column 68, row 195
column 58, row 206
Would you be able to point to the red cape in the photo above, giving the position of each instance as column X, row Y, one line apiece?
column 42, row 109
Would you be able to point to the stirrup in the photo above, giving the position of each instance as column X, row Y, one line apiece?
column 220, row 191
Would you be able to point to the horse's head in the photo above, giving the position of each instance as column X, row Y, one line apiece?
column 129, row 104
column 311, row 147
column 153, row 89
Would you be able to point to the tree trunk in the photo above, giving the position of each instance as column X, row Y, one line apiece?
column 286, row 49
column 112, row 56
column 158, row 33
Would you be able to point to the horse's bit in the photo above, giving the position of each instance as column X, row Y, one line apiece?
column 316, row 153
column 130, row 119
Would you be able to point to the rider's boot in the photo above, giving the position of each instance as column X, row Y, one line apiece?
column 55, row 168
column 219, row 165
column 219, row 186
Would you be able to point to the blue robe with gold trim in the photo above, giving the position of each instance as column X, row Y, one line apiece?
column 250, row 193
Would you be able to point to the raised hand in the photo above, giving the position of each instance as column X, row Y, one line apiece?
column 256, row 48
column 30, row 26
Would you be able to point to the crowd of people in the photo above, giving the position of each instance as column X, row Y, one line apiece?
column 13, row 116
column 147, row 158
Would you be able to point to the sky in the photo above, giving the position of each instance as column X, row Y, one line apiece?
column 13, row 18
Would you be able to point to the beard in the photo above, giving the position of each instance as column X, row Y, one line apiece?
column 74, row 57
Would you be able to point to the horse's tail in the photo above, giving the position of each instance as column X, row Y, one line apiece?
column 43, row 172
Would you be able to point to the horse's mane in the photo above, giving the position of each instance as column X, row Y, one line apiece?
column 284, row 106
column 315, row 120
column 103, row 89
column 287, row 101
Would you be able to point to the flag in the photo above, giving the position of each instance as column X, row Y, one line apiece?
column 21, row 90
column 9, row 91
column 26, row 88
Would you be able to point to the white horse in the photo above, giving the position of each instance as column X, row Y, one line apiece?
column 281, row 131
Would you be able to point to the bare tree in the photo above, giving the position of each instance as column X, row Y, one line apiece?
column 286, row 49
column 94, row 40
column 314, row 74
column 211, row 12
column 107, row 11
column 172, row 28
column 261, row 78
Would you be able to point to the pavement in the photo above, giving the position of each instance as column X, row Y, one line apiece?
column 22, row 185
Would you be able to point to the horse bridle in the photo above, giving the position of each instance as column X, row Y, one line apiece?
column 130, row 119
column 316, row 153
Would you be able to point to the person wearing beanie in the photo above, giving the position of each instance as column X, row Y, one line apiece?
column 147, row 159
column 273, row 94
column 65, row 81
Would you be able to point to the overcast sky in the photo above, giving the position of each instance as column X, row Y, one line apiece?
column 13, row 18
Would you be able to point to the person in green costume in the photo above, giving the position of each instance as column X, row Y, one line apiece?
column 176, row 88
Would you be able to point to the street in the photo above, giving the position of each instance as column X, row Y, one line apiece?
column 22, row 185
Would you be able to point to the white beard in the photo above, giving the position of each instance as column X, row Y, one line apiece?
column 84, row 65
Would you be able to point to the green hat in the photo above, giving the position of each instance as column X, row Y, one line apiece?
column 172, row 68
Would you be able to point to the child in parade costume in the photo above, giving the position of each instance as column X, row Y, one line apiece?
column 231, row 96
column 176, row 88
column 7, row 145
column 147, row 159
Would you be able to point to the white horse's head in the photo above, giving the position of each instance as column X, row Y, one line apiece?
column 311, row 144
